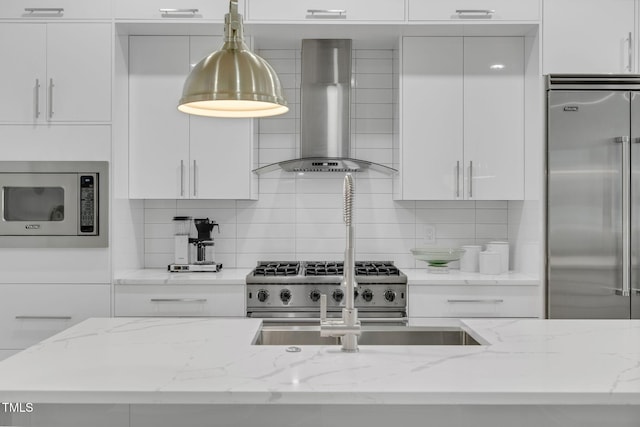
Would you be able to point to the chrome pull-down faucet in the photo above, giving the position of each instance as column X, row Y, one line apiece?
column 348, row 328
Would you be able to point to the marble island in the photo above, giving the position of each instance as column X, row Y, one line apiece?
column 562, row 369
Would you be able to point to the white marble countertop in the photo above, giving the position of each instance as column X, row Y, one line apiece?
column 159, row 276
column 203, row 360
column 415, row 276
column 420, row 276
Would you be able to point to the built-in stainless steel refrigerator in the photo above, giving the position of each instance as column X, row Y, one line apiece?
column 593, row 196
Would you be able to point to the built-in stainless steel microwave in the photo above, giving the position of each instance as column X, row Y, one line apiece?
column 54, row 204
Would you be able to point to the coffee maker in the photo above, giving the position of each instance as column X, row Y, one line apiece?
column 194, row 253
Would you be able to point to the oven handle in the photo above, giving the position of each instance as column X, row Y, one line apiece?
column 317, row 320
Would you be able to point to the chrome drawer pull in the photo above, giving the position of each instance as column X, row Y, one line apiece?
column 486, row 301
column 475, row 11
column 43, row 317
column 326, row 14
column 178, row 300
column 168, row 11
column 44, row 9
column 37, row 100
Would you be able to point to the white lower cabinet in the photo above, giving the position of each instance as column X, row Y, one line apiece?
column 30, row 313
column 217, row 300
column 67, row 415
column 474, row 301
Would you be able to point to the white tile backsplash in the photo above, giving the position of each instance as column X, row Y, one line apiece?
column 299, row 217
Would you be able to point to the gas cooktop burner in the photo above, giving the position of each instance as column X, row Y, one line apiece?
column 291, row 272
column 277, row 269
column 363, row 268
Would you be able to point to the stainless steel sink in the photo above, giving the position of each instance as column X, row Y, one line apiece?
column 372, row 335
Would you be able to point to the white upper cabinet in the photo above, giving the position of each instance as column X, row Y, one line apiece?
column 55, row 9
column 589, row 36
column 158, row 132
column 59, row 72
column 172, row 9
column 497, row 10
column 462, row 119
column 325, row 10
column 173, row 155
column 431, row 117
column 494, row 118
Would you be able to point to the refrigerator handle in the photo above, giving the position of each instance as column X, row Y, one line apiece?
column 626, row 211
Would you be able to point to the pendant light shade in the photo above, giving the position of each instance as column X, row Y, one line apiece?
column 233, row 81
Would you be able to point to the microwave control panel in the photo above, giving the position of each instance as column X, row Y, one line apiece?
column 88, row 204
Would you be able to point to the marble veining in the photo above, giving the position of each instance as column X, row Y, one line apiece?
column 208, row 360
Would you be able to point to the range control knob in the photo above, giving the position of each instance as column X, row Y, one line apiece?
column 367, row 295
column 263, row 295
column 285, row 295
column 390, row 295
column 314, row 295
column 337, row 295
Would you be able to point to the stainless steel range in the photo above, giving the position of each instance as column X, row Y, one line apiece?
column 290, row 291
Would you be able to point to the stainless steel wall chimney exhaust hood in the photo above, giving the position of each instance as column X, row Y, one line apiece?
column 325, row 112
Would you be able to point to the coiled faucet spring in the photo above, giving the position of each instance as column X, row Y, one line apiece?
column 348, row 198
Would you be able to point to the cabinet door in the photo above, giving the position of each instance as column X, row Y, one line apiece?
column 588, row 36
column 23, row 72
column 30, row 313
column 432, row 120
column 325, row 10
column 495, row 10
column 168, row 10
column 494, row 118
column 58, row 9
column 78, row 72
column 158, row 132
column 221, row 150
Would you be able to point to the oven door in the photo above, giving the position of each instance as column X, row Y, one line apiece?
column 39, row 204
column 302, row 318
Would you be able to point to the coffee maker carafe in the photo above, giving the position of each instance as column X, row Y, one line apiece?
column 204, row 244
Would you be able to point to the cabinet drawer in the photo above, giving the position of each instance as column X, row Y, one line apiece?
column 55, row 9
column 469, row 10
column 179, row 300
column 31, row 313
column 474, row 301
column 324, row 10
column 172, row 9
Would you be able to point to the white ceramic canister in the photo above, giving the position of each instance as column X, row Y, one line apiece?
column 503, row 249
column 489, row 262
column 469, row 260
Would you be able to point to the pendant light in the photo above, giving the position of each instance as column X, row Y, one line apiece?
column 233, row 81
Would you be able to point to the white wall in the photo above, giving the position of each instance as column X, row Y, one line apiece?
column 299, row 217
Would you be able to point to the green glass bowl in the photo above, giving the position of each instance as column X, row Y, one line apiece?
column 437, row 257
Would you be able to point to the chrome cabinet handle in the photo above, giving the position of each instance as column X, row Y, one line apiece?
column 475, row 11
column 626, row 220
column 485, row 301
column 326, row 14
column 629, row 52
column 178, row 300
column 169, row 11
column 181, row 178
column 51, row 98
column 458, row 179
column 44, row 9
column 37, row 99
column 43, row 317
column 195, row 179
column 471, row 179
